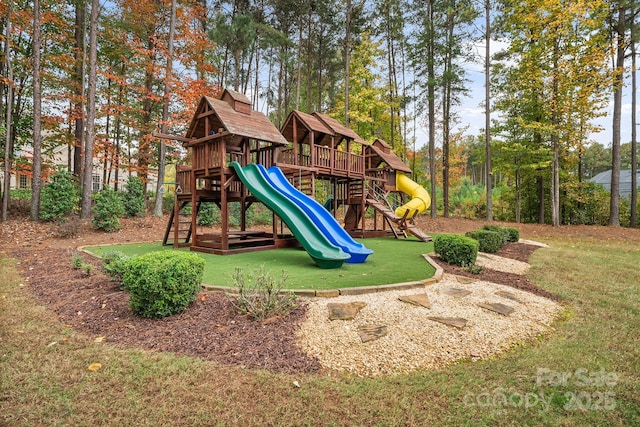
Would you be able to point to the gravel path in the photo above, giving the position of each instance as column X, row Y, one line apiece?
column 414, row 342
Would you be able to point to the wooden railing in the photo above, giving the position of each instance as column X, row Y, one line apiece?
column 263, row 156
column 207, row 155
column 377, row 175
column 327, row 158
column 183, row 178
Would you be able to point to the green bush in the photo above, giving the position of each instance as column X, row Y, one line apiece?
column 168, row 199
column 456, row 249
column 162, row 283
column 488, row 241
column 133, row 197
column 208, row 215
column 509, row 234
column 59, row 197
column 474, row 269
column 107, row 210
column 513, row 235
column 499, row 230
column 259, row 215
column 76, row 262
column 260, row 296
column 114, row 264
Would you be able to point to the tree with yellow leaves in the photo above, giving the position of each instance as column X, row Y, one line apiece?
column 370, row 111
column 556, row 80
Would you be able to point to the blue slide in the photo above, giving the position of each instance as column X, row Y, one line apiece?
column 324, row 253
column 319, row 215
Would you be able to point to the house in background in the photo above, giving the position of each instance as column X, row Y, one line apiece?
column 61, row 158
column 604, row 179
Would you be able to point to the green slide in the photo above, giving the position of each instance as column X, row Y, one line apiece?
column 324, row 253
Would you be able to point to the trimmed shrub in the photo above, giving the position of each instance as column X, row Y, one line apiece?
column 488, row 241
column 497, row 229
column 513, row 235
column 260, row 295
column 59, row 198
column 162, row 283
column 456, row 249
column 510, row 234
column 107, row 210
column 133, row 197
column 114, row 264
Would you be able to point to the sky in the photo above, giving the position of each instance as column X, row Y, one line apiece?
column 471, row 111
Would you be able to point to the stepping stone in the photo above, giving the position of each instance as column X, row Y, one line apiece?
column 421, row 300
column 508, row 295
column 465, row 280
column 458, row 322
column 456, row 292
column 372, row 332
column 497, row 307
column 344, row 311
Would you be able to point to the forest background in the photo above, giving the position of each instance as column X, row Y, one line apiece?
column 103, row 77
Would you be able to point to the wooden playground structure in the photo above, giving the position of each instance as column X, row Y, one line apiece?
column 310, row 149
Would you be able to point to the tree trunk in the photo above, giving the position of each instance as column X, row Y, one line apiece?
column 541, row 207
column 299, row 66
column 391, row 65
column 431, row 74
column 487, row 111
column 36, row 180
column 8, row 148
column 518, row 195
column 614, row 209
column 116, row 159
column 157, row 208
column 634, row 139
column 91, row 111
column 446, row 112
column 555, row 141
column 347, row 58
column 79, row 87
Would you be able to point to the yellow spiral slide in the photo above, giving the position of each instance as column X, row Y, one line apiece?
column 420, row 199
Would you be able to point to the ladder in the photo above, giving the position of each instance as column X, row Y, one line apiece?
column 178, row 231
column 379, row 201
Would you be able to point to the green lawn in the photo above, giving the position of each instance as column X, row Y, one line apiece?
column 44, row 378
column 393, row 261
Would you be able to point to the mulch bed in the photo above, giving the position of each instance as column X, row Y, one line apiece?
column 210, row 328
column 517, row 251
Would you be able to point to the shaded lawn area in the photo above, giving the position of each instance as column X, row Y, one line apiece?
column 393, row 261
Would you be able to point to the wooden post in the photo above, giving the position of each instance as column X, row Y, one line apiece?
column 194, row 214
column 296, row 149
column 176, row 221
column 224, row 207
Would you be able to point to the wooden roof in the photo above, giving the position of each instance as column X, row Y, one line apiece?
column 384, row 153
column 339, row 129
column 308, row 123
column 238, row 121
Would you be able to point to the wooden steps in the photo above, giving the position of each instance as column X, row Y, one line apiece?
column 399, row 225
column 178, row 231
